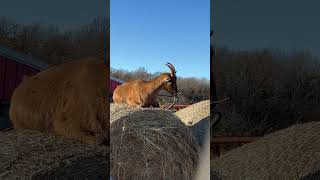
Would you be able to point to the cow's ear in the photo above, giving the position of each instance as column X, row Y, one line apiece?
column 25, row 77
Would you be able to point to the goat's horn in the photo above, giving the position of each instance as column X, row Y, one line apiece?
column 173, row 70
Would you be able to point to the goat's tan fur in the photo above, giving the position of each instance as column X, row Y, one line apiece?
column 69, row 99
column 144, row 93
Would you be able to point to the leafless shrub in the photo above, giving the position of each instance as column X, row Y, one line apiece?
column 269, row 90
column 54, row 45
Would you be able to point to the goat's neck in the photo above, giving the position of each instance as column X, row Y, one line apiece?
column 155, row 85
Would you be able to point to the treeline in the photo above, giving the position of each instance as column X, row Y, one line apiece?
column 269, row 90
column 53, row 45
column 193, row 89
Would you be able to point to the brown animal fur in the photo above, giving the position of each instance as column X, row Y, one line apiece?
column 69, row 99
column 144, row 93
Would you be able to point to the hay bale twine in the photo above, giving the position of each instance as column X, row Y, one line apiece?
column 150, row 143
column 32, row 155
column 293, row 153
column 198, row 117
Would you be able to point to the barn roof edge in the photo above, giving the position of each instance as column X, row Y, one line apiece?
column 116, row 79
column 22, row 58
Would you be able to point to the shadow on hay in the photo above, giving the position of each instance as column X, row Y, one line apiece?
column 82, row 168
column 314, row 176
column 215, row 176
column 69, row 99
column 152, row 144
column 32, row 155
column 200, row 129
column 290, row 153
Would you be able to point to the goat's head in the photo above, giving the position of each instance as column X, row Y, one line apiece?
column 170, row 83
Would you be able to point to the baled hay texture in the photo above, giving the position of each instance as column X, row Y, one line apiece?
column 70, row 99
column 118, row 110
column 200, row 130
column 198, row 117
column 152, row 144
column 292, row 153
column 33, row 155
column 194, row 113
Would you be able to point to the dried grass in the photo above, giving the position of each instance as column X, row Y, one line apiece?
column 33, row 155
column 196, row 112
column 293, row 153
column 150, row 144
column 198, row 117
column 119, row 110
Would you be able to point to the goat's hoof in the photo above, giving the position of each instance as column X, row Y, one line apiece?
column 155, row 105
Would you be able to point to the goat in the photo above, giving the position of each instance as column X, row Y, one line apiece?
column 68, row 99
column 142, row 93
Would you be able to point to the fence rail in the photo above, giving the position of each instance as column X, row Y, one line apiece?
column 177, row 106
column 218, row 142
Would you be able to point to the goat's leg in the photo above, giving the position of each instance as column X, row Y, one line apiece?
column 67, row 127
column 134, row 102
column 80, row 135
column 155, row 104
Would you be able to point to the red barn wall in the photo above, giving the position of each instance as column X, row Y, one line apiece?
column 11, row 73
column 113, row 85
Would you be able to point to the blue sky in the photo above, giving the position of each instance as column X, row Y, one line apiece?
column 148, row 33
column 249, row 24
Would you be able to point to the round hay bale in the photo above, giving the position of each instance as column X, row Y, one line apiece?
column 33, row 155
column 151, row 143
column 200, row 130
column 118, row 110
column 198, row 117
column 70, row 99
column 292, row 153
column 194, row 113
